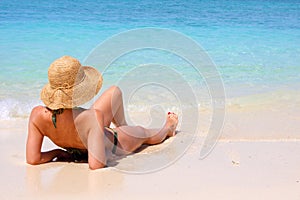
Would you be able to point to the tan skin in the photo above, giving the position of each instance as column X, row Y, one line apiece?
column 85, row 129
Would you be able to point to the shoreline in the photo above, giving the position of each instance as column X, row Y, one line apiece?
column 250, row 161
column 259, row 142
column 261, row 117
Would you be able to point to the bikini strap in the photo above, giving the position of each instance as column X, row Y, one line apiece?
column 54, row 119
column 115, row 143
column 54, row 113
column 115, row 134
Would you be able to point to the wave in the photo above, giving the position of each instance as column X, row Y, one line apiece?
column 11, row 108
column 14, row 108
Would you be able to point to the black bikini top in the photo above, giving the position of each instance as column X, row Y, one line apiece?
column 54, row 113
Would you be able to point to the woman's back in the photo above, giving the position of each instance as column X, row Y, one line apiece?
column 65, row 134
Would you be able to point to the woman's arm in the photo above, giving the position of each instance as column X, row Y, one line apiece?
column 95, row 141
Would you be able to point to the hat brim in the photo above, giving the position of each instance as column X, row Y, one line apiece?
column 85, row 90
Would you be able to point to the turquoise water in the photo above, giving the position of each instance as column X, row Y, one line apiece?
column 254, row 44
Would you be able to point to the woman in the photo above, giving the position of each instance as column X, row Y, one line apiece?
column 84, row 131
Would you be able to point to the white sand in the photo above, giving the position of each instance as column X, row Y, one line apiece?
column 234, row 170
column 257, row 157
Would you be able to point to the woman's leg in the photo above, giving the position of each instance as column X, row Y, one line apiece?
column 110, row 103
column 132, row 137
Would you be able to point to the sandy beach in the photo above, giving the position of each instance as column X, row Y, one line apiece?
column 257, row 157
column 181, row 56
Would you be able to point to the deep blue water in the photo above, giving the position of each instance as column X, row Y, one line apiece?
column 253, row 43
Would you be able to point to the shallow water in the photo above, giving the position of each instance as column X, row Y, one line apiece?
column 254, row 44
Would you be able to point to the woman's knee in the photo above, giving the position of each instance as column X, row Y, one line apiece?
column 115, row 91
column 115, row 88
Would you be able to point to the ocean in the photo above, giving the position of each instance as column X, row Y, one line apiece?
column 254, row 44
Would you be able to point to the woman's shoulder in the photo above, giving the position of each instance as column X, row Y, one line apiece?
column 38, row 110
column 38, row 113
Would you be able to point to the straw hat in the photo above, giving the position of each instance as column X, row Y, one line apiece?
column 70, row 84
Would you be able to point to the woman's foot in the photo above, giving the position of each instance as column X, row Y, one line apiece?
column 171, row 123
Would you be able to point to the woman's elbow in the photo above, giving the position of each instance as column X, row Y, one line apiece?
column 33, row 160
column 94, row 166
